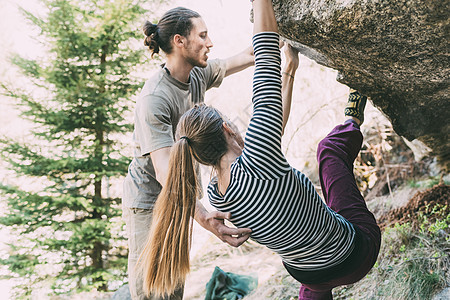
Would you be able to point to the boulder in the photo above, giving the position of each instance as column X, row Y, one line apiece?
column 394, row 51
column 123, row 293
column 443, row 295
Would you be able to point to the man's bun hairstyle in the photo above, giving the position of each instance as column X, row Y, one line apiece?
column 175, row 21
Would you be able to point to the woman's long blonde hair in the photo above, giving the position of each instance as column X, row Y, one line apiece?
column 164, row 262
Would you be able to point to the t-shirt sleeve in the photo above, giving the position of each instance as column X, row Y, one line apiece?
column 214, row 73
column 262, row 155
column 153, row 124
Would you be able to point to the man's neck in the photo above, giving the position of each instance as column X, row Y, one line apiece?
column 179, row 68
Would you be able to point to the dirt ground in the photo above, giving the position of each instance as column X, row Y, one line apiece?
column 250, row 259
column 405, row 205
column 431, row 203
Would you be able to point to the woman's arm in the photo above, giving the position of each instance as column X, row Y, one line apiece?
column 262, row 156
column 263, row 16
column 264, row 20
column 288, row 74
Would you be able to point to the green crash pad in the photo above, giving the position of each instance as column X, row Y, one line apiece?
column 229, row 286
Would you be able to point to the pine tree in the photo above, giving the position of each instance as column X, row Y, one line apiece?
column 67, row 230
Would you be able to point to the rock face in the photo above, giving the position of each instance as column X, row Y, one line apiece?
column 443, row 295
column 123, row 293
column 394, row 51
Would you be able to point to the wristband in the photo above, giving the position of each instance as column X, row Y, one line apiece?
column 292, row 76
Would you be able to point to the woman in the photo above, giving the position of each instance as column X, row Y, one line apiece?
column 321, row 245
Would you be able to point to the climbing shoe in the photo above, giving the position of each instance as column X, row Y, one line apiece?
column 355, row 105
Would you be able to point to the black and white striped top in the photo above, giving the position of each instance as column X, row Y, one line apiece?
column 270, row 197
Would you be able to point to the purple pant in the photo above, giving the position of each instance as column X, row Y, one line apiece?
column 336, row 154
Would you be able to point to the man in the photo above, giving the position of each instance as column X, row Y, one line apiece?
column 176, row 87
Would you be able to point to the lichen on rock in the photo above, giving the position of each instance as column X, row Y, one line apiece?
column 395, row 52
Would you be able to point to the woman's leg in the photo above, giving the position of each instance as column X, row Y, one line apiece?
column 307, row 294
column 336, row 154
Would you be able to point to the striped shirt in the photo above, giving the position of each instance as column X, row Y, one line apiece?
column 267, row 195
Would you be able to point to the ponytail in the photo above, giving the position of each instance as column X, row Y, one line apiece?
column 164, row 262
column 151, row 32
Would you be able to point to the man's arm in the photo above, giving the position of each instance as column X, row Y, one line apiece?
column 214, row 222
column 160, row 160
column 211, row 221
column 239, row 61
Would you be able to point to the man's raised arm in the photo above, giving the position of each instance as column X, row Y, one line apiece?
column 240, row 61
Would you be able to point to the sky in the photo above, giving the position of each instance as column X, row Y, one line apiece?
column 228, row 23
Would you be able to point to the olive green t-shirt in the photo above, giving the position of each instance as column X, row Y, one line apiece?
column 161, row 103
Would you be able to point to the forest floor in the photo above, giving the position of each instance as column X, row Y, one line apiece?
column 421, row 204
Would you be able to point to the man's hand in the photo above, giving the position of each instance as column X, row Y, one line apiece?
column 215, row 222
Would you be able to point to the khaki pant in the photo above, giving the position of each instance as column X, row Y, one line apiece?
column 138, row 223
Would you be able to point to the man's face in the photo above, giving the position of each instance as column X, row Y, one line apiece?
column 198, row 44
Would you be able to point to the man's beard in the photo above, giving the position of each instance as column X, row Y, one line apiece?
column 195, row 62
